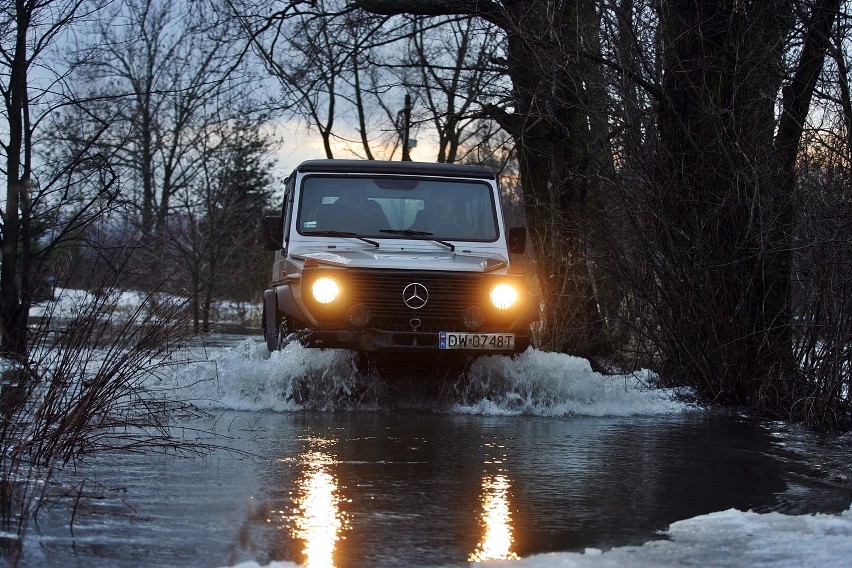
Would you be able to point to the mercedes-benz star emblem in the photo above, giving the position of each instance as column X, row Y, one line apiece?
column 415, row 295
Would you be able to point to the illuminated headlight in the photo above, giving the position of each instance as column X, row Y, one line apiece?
column 503, row 296
column 325, row 290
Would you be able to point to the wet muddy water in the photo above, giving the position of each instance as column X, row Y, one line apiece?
column 399, row 487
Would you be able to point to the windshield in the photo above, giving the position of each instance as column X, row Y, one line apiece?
column 389, row 207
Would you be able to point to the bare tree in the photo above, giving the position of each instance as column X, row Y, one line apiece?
column 213, row 234
column 44, row 202
column 453, row 61
column 160, row 68
column 725, row 239
column 716, row 222
column 58, row 400
column 323, row 65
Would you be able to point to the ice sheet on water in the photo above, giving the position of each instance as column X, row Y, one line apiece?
column 728, row 538
column 247, row 377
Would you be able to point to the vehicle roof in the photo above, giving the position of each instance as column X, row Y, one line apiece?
column 385, row 167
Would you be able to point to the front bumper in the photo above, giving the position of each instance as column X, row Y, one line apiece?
column 454, row 302
column 373, row 340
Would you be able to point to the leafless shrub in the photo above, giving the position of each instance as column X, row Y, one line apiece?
column 84, row 387
column 823, row 296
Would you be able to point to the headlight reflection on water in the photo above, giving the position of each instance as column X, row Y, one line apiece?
column 497, row 540
column 317, row 519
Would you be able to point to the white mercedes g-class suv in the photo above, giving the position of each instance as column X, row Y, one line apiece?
column 378, row 256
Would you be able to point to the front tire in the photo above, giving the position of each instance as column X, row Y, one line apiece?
column 271, row 321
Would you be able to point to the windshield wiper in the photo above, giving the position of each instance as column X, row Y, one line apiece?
column 341, row 234
column 407, row 232
column 420, row 235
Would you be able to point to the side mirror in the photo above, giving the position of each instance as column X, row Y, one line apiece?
column 273, row 232
column 517, row 240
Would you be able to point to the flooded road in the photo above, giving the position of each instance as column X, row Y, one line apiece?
column 507, row 475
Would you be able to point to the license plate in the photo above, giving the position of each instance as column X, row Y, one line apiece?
column 480, row 341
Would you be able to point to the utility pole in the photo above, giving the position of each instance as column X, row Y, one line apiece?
column 406, row 128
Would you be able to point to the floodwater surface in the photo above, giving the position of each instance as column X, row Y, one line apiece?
column 514, row 467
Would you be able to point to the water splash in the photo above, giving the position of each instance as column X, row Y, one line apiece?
column 555, row 384
column 247, row 377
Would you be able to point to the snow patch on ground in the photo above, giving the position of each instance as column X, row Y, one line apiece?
column 68, row 303
column 727, row 538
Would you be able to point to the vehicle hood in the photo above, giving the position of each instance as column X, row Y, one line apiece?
column 408, row 260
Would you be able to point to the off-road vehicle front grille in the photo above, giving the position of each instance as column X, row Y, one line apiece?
column 450, row 293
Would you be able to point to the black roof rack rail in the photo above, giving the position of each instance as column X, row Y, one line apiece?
column 404, row 168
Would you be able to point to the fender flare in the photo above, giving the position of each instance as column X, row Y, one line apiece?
column 286, row 302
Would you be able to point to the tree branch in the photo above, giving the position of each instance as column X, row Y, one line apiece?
column 797, row 95
column 485, row 9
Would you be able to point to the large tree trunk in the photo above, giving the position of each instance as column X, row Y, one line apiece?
column 776, row 314
column 14, row 300
column 726, row 233
column 715, row 165
column 556, row 178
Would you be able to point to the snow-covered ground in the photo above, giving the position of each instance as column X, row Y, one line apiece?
column 68, row 303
